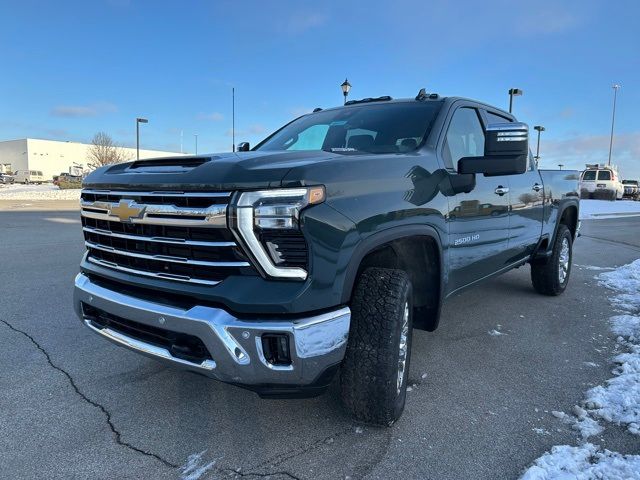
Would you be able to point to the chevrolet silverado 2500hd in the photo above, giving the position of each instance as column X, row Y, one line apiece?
column 320, row 249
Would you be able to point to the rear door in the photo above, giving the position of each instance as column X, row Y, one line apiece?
column 526, row 202
column 479, row 220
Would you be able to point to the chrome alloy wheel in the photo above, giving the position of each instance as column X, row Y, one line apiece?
column 563, row 261
column 403, row 347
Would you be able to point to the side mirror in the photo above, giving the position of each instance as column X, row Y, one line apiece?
column 506, row 151
column 244, row 147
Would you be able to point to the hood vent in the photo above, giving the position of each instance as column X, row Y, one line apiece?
column 168, row 165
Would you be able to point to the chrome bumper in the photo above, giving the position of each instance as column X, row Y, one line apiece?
column 317, row 342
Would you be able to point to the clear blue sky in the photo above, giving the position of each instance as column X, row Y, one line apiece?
column 70, row 69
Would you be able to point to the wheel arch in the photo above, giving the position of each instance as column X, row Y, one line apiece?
column 568, row 216
column 415, row 249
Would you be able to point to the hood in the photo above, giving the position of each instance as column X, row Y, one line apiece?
column 226, row 171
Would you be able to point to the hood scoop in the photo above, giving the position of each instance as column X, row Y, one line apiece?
column 168, row 165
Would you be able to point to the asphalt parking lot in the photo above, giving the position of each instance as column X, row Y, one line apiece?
column 75, row 406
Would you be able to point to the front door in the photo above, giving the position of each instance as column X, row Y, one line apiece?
column 479, row 220
column 526, row 207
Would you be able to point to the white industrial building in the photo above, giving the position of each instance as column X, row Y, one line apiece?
column 53, row 157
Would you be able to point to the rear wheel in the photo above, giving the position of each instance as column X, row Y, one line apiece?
column 376, row 365
column 552, row 276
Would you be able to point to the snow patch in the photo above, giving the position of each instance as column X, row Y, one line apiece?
column 37, row 192
column 590, row 209
column 618, row 401
column 495, row 333
column 593, row 267
column 585, row 462
column 195, row 467
column 579, row 422
column 627, row 326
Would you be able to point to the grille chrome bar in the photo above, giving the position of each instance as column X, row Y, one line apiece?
column 170, row 235
column 212, row 216
column 173, row 241
column 165, row 258
column 157, row 193
column 166, row 276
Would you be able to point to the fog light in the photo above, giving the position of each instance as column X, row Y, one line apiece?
column 275, row 347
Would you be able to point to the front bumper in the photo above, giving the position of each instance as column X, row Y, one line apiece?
column 317, row 343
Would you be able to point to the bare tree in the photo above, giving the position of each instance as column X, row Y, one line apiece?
column 104, row 151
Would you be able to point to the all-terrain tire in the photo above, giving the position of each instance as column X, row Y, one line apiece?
column 373, row 384
column 547, row 277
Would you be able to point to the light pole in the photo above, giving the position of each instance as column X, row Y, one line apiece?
column 346, row 86
column 538, row 128
column 561, row 165
column 196, row 136
column 615, row 87
column 513, row 92
column 233, row 119
column 138, row 122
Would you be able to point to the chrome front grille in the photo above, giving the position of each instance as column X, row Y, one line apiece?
column 180, row 236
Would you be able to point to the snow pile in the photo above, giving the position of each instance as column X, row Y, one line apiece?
column 617, row 401
column 37, row 192
column 584, row 463
column 608, row 209
column 626, row 282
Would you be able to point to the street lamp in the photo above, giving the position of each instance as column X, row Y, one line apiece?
column 615, row 87
column 196, row 135
column 138, row 122
column 346, row 86
column 561, row 165
column 513, row 92
column 538, row 128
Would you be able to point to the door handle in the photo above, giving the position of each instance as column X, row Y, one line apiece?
column 501, row 190
column 537, row 187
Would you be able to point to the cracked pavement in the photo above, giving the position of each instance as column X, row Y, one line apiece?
column 75, row 406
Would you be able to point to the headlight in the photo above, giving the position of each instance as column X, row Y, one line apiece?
column 273, row 210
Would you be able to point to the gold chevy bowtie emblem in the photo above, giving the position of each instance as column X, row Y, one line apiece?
column 126, row 210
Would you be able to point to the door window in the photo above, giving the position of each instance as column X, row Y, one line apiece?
column 493, row 118
column 465, row 137
column 604, row 175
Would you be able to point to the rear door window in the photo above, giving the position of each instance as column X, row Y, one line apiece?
column 589, row 175
column 604, row 175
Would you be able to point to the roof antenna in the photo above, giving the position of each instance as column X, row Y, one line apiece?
column 422, row 94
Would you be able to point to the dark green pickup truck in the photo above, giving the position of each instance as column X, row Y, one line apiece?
column 320, row 249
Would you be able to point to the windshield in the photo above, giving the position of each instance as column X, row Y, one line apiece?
column 379, row 128
column 630, row 182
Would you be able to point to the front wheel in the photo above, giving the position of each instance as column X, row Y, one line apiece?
column 375, row 370
column 552, row 276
